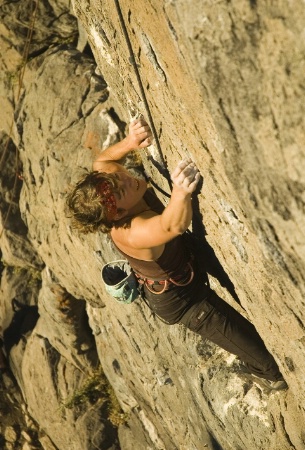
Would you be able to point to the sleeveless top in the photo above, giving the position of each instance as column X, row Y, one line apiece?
column 173, row 259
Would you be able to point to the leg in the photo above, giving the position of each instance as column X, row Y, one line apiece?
column 217, row 321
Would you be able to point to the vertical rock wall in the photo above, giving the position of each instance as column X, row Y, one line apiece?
column 224, row 84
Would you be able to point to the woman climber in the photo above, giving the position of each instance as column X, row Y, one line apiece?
column 150, row 237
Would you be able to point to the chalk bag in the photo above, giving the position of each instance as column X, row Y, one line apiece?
column 120, row 281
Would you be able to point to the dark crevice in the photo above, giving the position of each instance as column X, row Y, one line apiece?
column 285, row 432
column 38, row 52
column 209, row 259
column 120, row 124
column 228, row 120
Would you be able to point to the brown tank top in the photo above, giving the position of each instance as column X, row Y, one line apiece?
column 174, row 258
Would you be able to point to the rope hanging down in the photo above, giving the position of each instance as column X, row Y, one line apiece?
column 133, row 62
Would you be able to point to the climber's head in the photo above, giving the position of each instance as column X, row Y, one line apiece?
column 100, row 200
column 92, row 203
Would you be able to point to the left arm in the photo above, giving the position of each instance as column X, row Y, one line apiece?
column 139, row 137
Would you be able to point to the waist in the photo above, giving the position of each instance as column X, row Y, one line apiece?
column 160, row 286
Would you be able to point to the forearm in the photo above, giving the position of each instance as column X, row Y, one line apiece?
column 177, row 216
column 139, row 137
column 116, row 152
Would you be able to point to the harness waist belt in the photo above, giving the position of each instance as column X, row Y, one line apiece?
column 166, row 283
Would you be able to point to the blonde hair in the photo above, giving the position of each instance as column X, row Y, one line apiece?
column 88, row 214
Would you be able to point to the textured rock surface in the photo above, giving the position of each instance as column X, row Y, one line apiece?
column 225, row 84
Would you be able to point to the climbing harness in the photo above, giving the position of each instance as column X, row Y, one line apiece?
column 149, row 284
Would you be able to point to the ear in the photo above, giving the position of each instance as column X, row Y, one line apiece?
column 121, row 212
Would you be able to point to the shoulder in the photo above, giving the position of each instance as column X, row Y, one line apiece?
column 130, row 225
column 128, row 229
column 130, row 241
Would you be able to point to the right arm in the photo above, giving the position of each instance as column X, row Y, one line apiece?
column 149, row 230
column 177, row 216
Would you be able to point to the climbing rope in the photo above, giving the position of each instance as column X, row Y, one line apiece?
column 25, row 56
column 133, row 62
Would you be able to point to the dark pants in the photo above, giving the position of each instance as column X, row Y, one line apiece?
column 217, row 321
column 201, row 310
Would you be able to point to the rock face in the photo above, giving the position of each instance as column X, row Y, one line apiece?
column 224, row 84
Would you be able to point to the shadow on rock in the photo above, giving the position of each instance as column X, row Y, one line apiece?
column 205, row 252
column 24, row 320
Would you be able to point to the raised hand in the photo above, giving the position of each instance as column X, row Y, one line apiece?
column 186, row 176
column 140, row 135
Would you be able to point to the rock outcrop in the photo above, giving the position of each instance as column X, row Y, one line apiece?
column 223, row 83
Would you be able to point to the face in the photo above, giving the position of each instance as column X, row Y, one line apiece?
column 130, row 190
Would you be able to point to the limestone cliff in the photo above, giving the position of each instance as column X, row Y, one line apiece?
column 224, row 83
